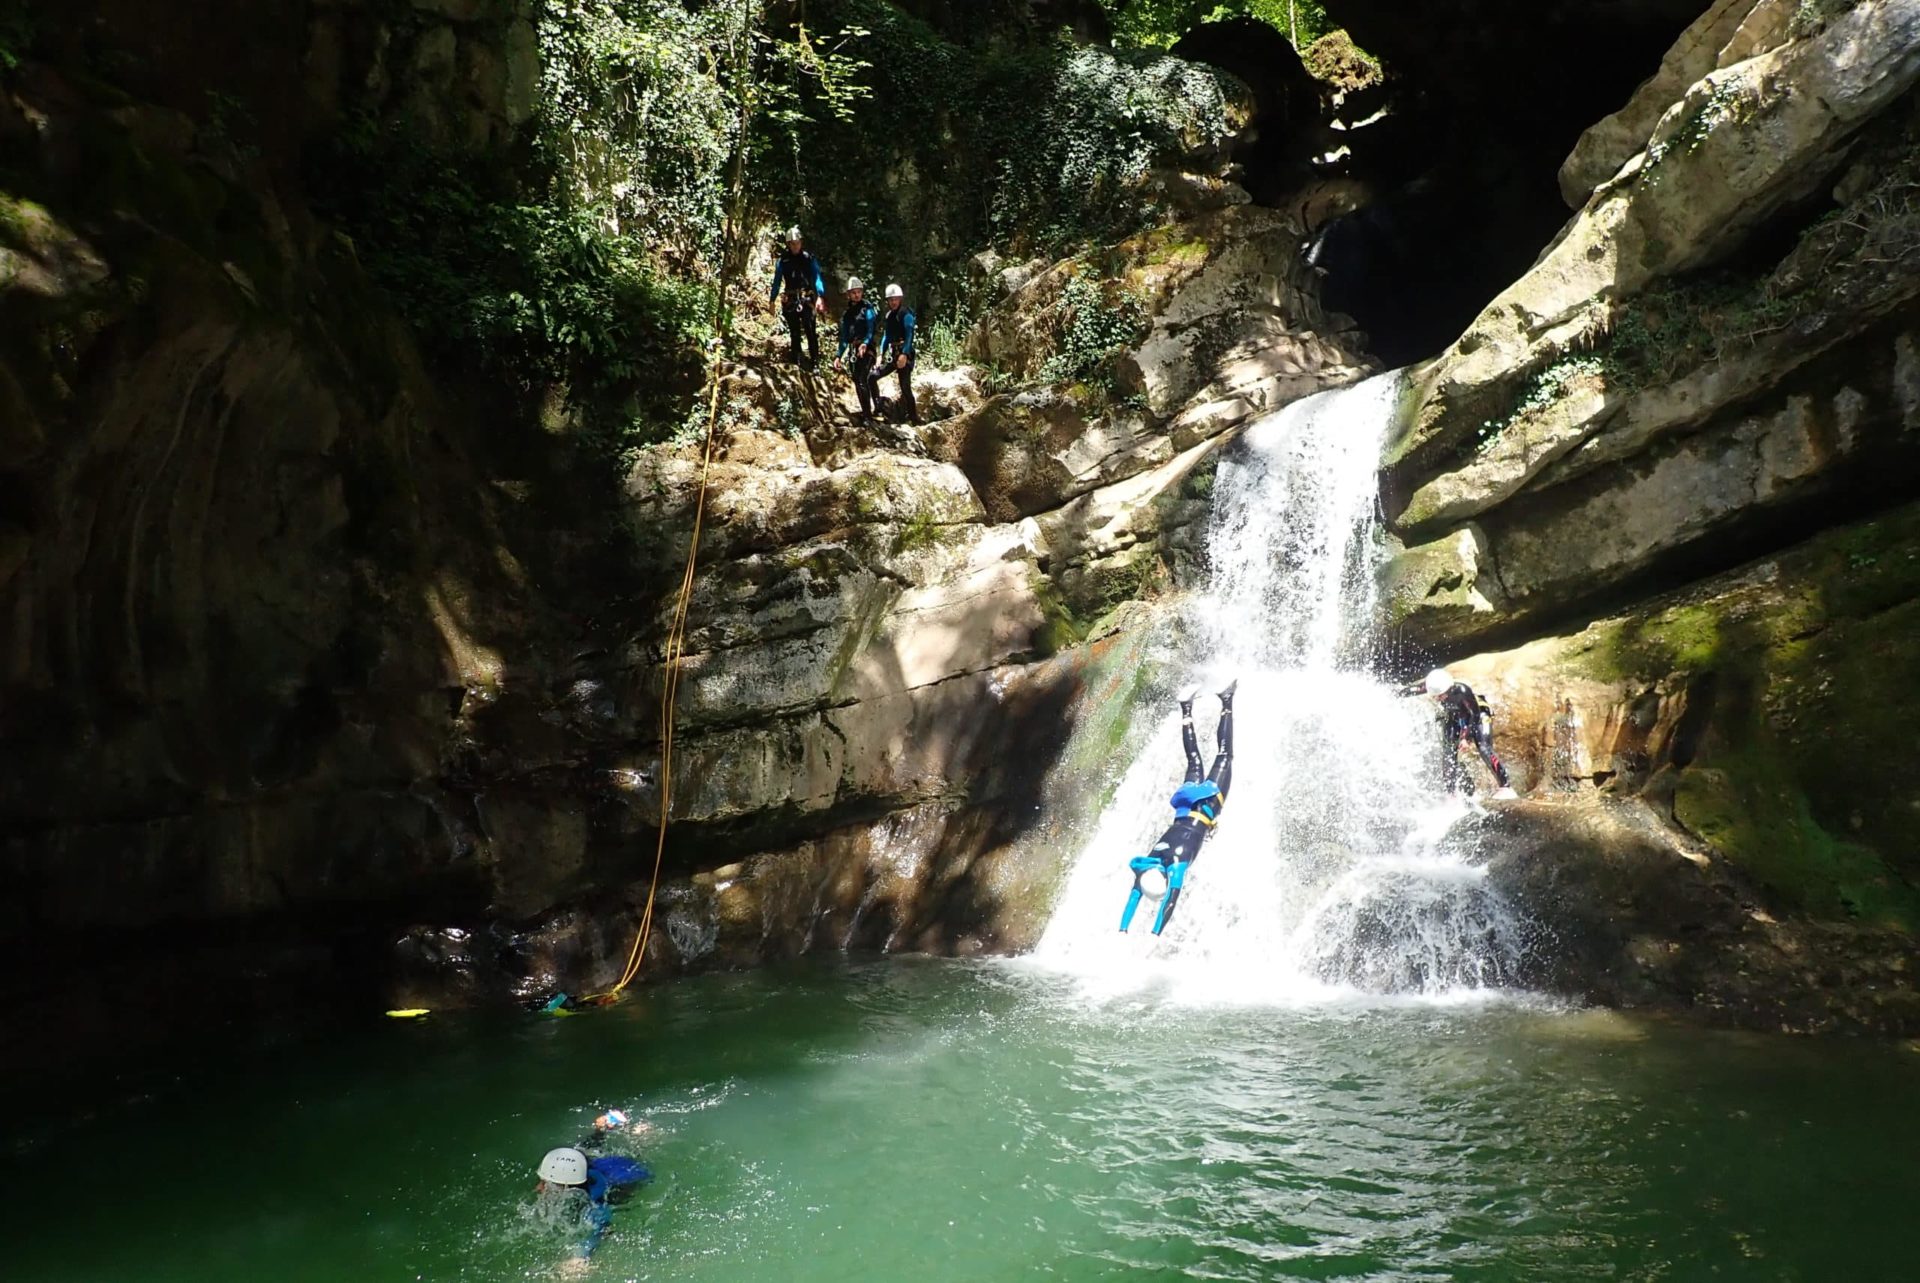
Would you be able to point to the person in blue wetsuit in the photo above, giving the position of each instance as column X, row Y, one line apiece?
column 797, row 271
column 1196, row 809
column 896, row 351
column 857, row 346
column 604, row 1179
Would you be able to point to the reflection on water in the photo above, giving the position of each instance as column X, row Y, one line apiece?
column 939, row 1121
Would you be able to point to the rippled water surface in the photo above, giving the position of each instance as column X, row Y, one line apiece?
column 937, row 1121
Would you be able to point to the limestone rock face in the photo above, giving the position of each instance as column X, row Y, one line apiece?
column 1762, row 712
column 1740, row 144
column 297, row 637
column 1697, row 414
column 1657, row 505
column 1231, row 322
column 1728, row 32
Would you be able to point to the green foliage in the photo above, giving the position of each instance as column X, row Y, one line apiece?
column 1541, row 391
column 579, row 265
column 528, row 291
column 804, row 73
column 636, row 124
column 1026, row 148
column 1095, row 326
column 942, row 343
column 1158, row 23
column 1810, row 17
column 1680, row 325
column 1335, row 60
column 19, row 27
column 1726, row 103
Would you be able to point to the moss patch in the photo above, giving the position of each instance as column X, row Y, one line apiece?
column 1335, row 60
column 1753, row 814
column 1804, row 774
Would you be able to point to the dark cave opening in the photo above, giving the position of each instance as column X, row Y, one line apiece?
column 1450, row 169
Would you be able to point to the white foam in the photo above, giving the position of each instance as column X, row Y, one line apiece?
column 1327, row 880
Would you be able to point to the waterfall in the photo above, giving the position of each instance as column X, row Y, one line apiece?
column 1329, row 871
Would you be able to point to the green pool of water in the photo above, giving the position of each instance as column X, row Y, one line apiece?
column 939, row 1121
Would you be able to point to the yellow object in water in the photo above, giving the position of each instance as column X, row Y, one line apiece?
column 409, row 1013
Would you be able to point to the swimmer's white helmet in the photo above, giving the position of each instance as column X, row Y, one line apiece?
column 855, row 283
column 793, row 234
column 1439, row 682
column 894, row 291
column 564, row 1167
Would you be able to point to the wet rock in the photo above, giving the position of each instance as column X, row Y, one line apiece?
column 1764, row 711
column 1628, row 914
column 1738, row 147
column 1729, row 31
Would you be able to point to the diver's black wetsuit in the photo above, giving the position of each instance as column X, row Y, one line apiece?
column 1198, row 809
column 1462, row 717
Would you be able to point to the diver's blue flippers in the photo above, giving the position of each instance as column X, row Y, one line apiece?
column 1133, row 902
column 1166, row 910
column 1176, row 879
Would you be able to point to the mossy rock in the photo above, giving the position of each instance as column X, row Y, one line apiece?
column 1776, row 706
column 1751, row 813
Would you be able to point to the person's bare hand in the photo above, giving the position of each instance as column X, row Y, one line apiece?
column 575, row 1267
column 900, row 362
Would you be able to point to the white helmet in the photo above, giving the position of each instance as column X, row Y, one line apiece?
column 1439, row 682
column 793, row 233
column 564, row 1167
column 894, row 291
column 855, row 283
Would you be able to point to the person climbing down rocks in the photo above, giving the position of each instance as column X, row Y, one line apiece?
column 856, row 352
column 797, row 271
column 604, row 1181
column 1465, row 717
column 896, row 351
column 1196, row 809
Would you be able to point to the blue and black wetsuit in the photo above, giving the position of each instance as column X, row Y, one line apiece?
column 857, row 349
column 800, row 275
column 1196, row 809
column 1466, row 717
column 608, row 1177
column 896, row 330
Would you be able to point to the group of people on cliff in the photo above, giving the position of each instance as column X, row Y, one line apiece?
column 875, row 343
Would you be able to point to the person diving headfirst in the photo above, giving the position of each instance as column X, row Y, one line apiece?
column 1196, row 809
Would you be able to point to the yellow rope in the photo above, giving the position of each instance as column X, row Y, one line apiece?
column 676, row 650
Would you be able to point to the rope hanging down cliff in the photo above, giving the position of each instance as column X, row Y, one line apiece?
column 731, row 250
column 670, row 695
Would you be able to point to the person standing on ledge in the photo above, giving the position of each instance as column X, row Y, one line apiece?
column 856, row 352
column 1465, row 718
column 797, row 271
column 896, row 351
column 1196, row 809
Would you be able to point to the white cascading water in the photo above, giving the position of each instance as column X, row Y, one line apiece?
column 1327, row 873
